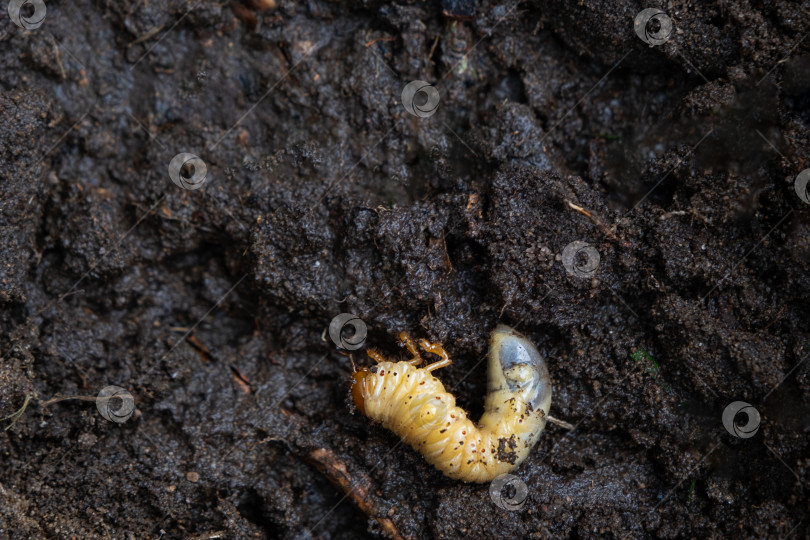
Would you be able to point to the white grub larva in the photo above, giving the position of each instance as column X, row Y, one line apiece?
column 413, row 403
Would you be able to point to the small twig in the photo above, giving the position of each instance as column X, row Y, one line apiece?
column 432, row 50
column 358, row 489
column 774, row 319
column 373, row 41
column 579, row 209
column 146, row 36
column 668, row 215
column 562, row 423
column 608, row 231
column 200, row 348
column 241, row 379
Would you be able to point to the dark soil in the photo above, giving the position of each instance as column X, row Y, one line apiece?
column 556, row 124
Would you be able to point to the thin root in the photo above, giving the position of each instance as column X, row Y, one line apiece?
column 17, row 414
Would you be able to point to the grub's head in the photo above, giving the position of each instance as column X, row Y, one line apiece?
column 360, row 378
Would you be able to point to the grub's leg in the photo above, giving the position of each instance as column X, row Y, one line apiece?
column 374, row 355
column 406, row 340
column 438, row 350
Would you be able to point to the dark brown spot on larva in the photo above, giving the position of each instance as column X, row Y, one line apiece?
column 423, row 382
column 382, row 372
column 442, row 431
column 508, row 456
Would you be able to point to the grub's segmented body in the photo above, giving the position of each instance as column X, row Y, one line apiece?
column 414, row 404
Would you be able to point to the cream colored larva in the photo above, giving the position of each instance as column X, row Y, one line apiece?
column 413, row 403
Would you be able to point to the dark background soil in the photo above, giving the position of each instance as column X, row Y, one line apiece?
column 326, row 196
